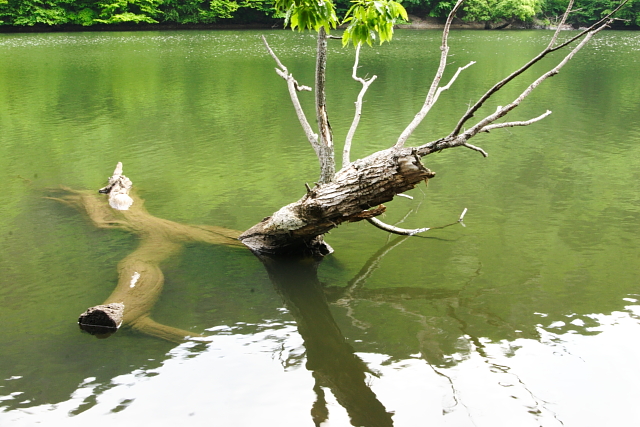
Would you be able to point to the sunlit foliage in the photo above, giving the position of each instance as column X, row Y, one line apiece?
column 366, row 20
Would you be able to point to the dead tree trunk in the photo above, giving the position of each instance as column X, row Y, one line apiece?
column 358, row 190
column 354, row 191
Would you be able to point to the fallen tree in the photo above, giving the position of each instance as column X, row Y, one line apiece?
column 358, row 190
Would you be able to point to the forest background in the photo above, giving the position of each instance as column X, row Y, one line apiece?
column 30, row 15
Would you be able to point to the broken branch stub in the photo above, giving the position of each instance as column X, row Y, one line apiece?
column 102, row 320
column 118, row 190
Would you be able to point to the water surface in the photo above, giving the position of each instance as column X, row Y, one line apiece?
column 527, row 316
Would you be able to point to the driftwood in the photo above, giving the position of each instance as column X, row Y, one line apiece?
column 140, row 277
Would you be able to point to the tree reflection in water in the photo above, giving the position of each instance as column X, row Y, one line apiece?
column 329, row 357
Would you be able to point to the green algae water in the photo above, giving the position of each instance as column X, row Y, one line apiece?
column 527, row 316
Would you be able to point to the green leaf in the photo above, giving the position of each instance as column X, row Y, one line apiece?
column 368, row 18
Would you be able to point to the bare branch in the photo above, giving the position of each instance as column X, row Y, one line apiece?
column 606, row 20
column 273, row 55
column 591, row 30
column 294, row 87
column 407, row 232
column 501, row 112
column 356, row 119
column 560, row 24
column 434, row 92
column 513, row 124
column 475, row 148
column 455, row 140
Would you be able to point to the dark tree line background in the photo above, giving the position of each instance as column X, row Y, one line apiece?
column 25, row 14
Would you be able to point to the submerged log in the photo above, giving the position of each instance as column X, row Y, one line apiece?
column 140, row 279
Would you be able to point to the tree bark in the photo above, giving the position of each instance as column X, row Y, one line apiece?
column 362, row 185
column 326, row 154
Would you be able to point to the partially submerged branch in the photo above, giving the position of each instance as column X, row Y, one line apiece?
column 411, row 232
column 118, row 190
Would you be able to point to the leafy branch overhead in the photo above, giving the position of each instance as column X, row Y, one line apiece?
column 308, row 14
column 368, row 18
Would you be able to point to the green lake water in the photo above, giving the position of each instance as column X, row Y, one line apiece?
column 528, row 316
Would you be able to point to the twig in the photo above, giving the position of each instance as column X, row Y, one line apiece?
column 476, row 148
column 513, row 124
column 356, row 119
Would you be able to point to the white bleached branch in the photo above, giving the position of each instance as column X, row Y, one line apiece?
column 294, row 87
column 593, row 29
column 513, row 124
column 346, row 152
column 455, row 139
column 476, row 148
column 434, row 90
column 411, row 232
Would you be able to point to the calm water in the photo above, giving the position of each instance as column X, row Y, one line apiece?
column 528, row 316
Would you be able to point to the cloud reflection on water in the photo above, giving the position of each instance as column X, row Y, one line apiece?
column 236, row 379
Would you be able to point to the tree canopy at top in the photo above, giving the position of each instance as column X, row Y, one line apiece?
column 25, row 13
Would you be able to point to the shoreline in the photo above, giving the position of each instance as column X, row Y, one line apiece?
column 415, row 23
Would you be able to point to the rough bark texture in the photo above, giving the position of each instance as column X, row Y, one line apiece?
column 362, row 185
column 326, row 154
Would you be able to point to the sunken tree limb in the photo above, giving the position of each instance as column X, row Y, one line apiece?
column 140, row 278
